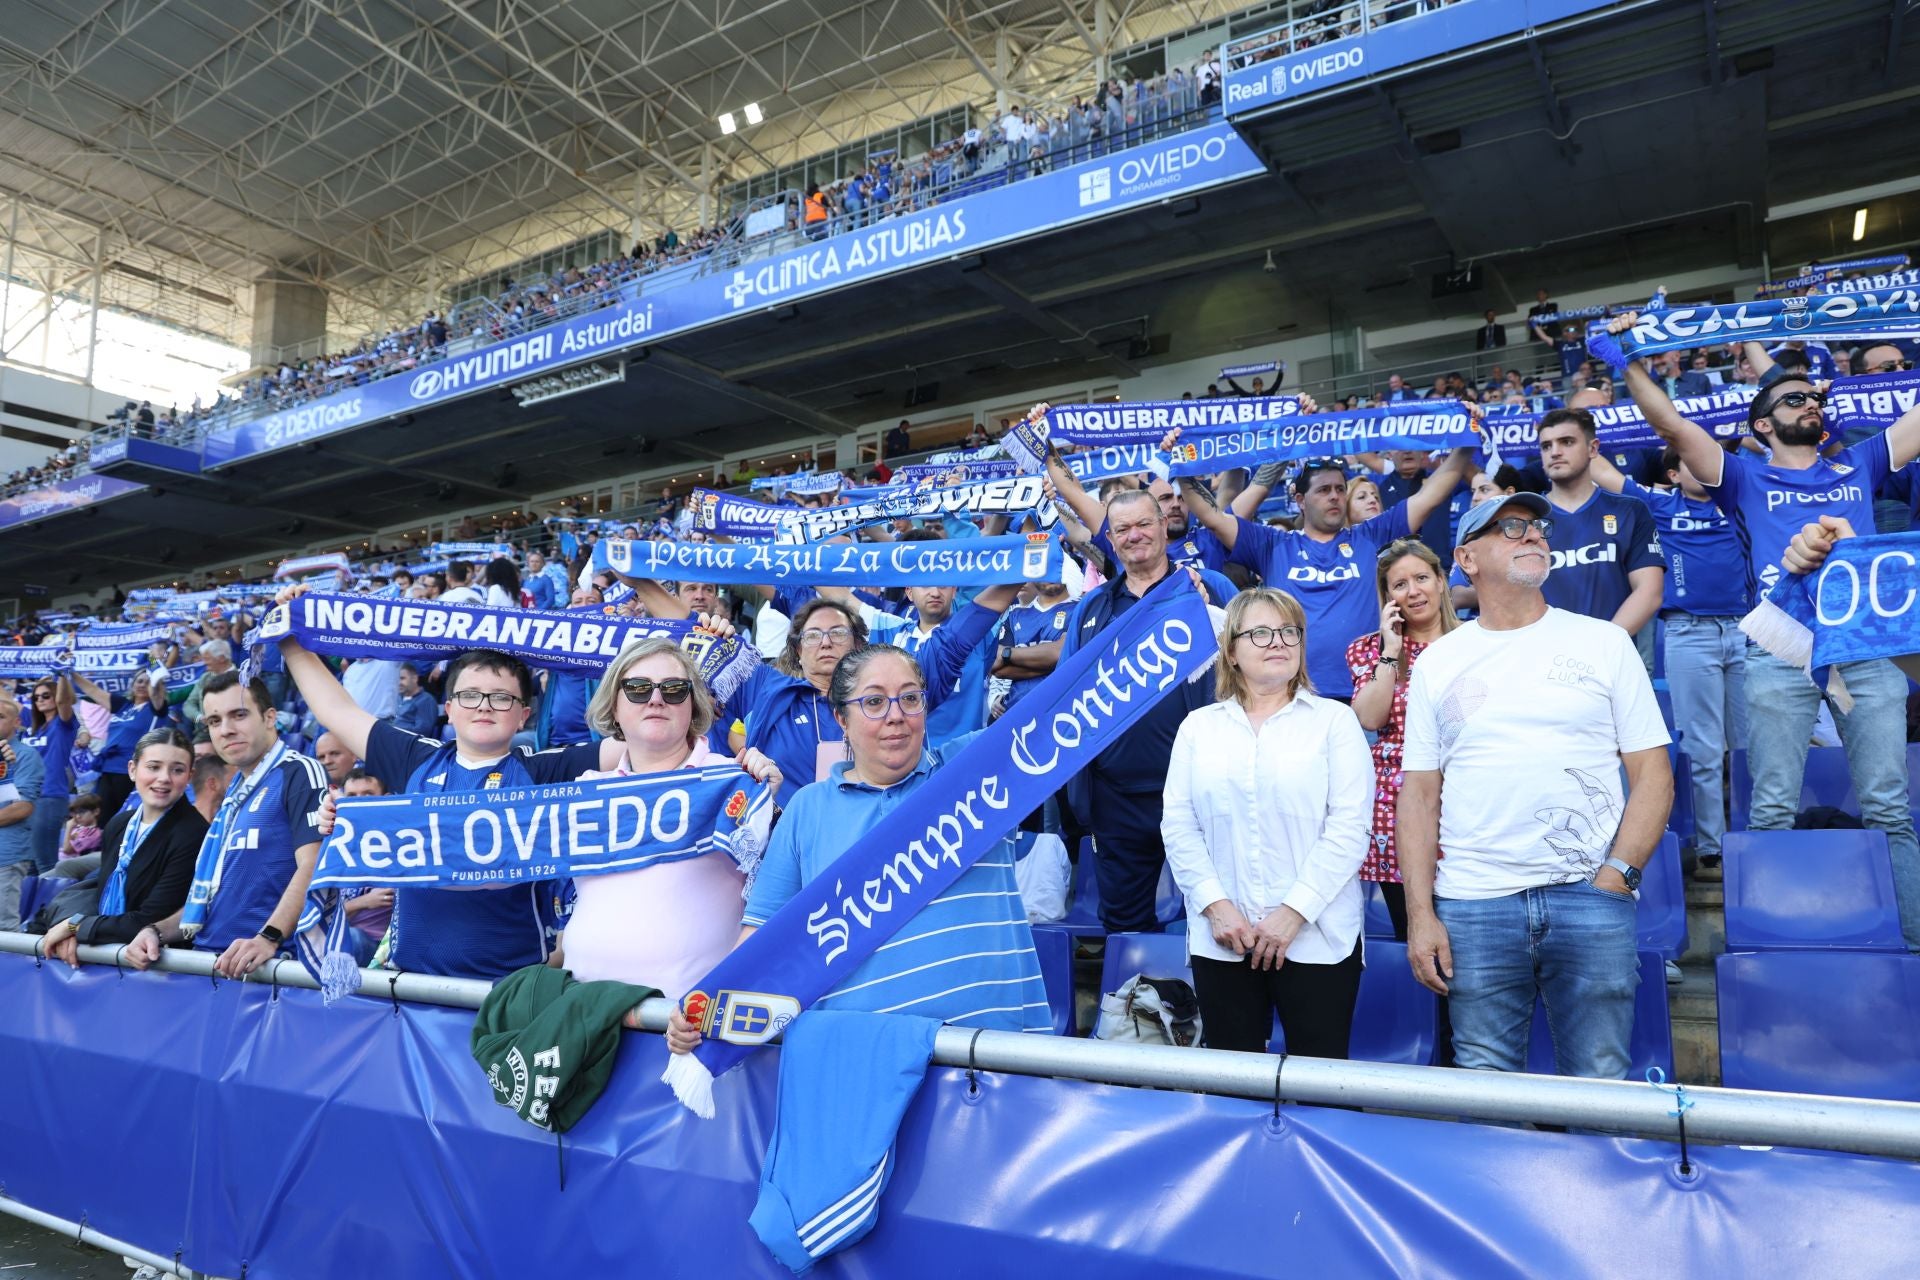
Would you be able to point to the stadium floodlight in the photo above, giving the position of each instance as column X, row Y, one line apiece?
column 726, row 122
column 1859, row 224
column 753, row 113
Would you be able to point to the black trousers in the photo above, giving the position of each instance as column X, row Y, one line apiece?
column 113, row 790
column 1127, row 860
column 1315, row 1003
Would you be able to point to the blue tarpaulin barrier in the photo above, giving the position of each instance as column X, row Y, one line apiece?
column 256, row 1131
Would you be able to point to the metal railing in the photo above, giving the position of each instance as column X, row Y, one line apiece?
column 1862, row 1125
column 1318, row 22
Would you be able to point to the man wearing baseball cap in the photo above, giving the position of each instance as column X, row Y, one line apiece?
column 1520, row 853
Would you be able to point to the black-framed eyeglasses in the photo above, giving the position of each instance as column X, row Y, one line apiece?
column 474, row 699
column 1264, row 637
column 673, row 692
column 1514, row 528
column 874, row 706
column 1794, row 400
column 813, row 637
column 1890, row 366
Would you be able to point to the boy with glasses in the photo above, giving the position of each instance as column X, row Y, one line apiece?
column 461, row 933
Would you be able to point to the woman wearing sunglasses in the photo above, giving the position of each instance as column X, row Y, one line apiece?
column 967, row 956
column 1265, row 822
column 665, row 925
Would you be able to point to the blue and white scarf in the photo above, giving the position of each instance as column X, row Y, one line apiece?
column 469, row 551
column 985, row 453
column 1513, row 430
column 961, row 562
column 815, row 483
column 1882, row 314
column 730, row 517
column 1019, row 496
column 301, row 566
column 1235, row 371
column 1902, row 279
column 113, row 894
column 1824, row 273
column 944, row 475
column 920, row 848
column 516, row 835
column 123, row 637
column 1423, row 425
column 344, row 626
column 1859, row 606
column 210, row 865
column 1873, row 401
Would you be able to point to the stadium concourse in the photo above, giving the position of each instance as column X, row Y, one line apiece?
column 1301, row 610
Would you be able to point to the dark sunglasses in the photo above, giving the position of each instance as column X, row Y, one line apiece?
column 1794, row 400
column 672, row 692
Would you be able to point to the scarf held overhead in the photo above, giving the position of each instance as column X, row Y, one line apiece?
column 357, row 627
column 1880, row 314
column 992, row 497
column 1203, row 449
column 967, row 562
column 1857, row 607
column 919, row 849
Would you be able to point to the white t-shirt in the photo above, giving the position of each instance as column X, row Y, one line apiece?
column 1527, row 728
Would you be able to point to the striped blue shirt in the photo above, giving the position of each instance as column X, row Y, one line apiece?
column 967, row 958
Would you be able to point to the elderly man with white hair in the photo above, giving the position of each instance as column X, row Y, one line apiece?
column 218, row 657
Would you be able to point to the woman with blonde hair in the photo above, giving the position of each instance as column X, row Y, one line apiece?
column 1415, row 610
column 1363, row 500
column 665, row 925
column 1265, row 824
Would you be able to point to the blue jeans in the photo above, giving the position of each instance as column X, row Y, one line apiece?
column 49, row 818
column 1573, row 945
column 1781, row 707
column 1706, row 674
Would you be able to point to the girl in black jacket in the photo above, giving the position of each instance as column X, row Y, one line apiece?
column 147, row 854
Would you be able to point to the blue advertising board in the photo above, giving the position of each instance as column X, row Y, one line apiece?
column 62, row 495
column 1397, row 42
column 1174, row 166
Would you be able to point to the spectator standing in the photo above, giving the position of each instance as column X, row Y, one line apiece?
column 898, row 442
column 1768, row 502
column 1414, row 612
column 1118, row 797
column 52, row 734
column 1265, row 824
column 1491, row 335
column 416, row 712
column 1540, row 330
column 1518, row 726
column 539, row 586
column 460, row 588
column 21, row 775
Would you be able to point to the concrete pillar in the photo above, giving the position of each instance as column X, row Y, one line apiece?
column 1002, row 63
column 288, row 316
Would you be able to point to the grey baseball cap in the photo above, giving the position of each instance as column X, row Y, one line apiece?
column 1478, row 518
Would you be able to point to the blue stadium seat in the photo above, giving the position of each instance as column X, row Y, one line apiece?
column 37, row 891
column 1665, row 699
column 1680, row 819
column 1810, row 890
column 1395, row 1020
column 1054, row 946
column 1378, row 924
column 1843, row 1023
column 1827, row 782
column 1083, row 911
column 1651, row 1044
column 1660, row 921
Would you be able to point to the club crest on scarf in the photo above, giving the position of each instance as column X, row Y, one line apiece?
column 740, row 1017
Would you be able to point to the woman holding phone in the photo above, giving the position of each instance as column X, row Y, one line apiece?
column 1415, row 610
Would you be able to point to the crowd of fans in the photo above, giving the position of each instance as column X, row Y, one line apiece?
column 1356, row 612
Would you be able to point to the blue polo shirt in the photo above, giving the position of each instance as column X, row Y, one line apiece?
column 27, row 774
column 1034, row 624
column 1706, row 572
column 965, row 957
column 1768, row 504
column 126, row 724
column 1332, row 580
column 471, row 933
column 54, row 742
column 1595, row 546
column 789, row 721
column 279, row 815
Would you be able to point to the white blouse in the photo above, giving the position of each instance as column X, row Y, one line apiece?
column 1270, row 819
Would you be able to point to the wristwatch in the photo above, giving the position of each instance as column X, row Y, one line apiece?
column 1627, row 870
column 73, row 922
column 272, row 934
